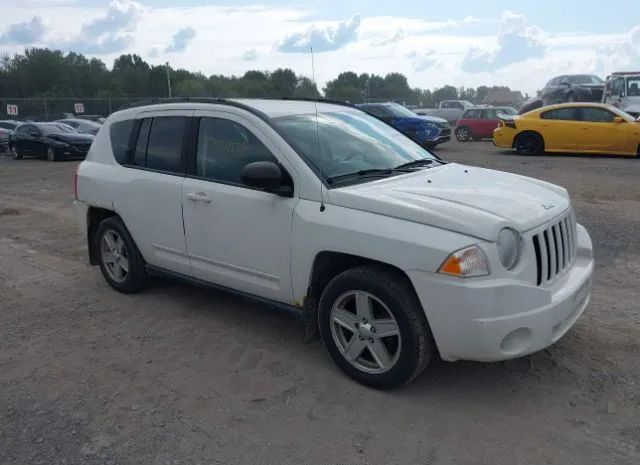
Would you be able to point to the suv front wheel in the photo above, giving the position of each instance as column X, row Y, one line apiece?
column 120, row 261
column 374, row 327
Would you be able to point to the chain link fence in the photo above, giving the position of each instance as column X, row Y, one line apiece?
column 53, row 108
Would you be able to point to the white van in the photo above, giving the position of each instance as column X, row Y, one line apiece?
column 622, row 89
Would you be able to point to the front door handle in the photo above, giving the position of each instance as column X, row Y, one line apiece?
column 199, row 197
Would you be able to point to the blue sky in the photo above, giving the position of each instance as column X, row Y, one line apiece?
column 519, row 44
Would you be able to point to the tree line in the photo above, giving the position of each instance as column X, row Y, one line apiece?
column 41, row 72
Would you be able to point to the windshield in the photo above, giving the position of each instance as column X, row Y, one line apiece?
column 349, row 142
column 55, row 128
column 399, row 111
column 585, row 79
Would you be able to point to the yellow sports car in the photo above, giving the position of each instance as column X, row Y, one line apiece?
column 572, row 128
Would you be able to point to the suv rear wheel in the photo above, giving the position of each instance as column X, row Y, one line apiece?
column 374, row 328
column 120, row 261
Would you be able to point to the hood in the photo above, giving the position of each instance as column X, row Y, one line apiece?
column 433, row 119
column 72, row 138
column 473, row 201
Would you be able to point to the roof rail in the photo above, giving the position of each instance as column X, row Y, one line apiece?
column 221, row 100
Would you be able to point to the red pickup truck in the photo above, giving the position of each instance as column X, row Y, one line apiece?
column 479, row 123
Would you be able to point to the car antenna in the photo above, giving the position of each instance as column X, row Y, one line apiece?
column 315, row 104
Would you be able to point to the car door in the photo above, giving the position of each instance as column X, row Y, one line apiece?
column 148, row 197
column 488, row 122
column 237, row 236
column 20, row 139
column 560, row 128
column 599, row 131
column 31, row 144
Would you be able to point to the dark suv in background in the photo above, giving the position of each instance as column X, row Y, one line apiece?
column 573, row 88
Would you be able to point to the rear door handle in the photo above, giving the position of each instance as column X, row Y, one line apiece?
column 199, row 197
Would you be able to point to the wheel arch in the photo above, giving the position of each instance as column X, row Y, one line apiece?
column 528, row 131
column 327, row 264
column 95, row 215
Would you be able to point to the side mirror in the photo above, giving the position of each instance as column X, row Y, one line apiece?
column 618, row 119
column 265, row 175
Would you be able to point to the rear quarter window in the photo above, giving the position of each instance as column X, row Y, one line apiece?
column 120, row 133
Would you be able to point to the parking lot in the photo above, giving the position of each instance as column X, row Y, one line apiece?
column 179, row 374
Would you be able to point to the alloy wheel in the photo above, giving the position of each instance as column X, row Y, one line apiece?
column 114, row 255
column 462, row 134
column 365, row 332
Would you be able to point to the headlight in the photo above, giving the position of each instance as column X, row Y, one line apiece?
column 430, row 125
column 508, row 245
column 466, row 263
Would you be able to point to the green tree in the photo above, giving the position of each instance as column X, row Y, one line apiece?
column 283, row 82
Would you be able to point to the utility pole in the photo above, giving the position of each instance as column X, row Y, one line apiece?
column 168, row 80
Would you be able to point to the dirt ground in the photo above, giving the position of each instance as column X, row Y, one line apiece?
column 183, row 375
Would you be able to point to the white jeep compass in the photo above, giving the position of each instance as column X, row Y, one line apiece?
column 395, row 253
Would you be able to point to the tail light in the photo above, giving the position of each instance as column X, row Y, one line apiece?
column 75, row 183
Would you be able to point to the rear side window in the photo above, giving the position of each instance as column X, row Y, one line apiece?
column 378, row 111
column 472, row 114
column 120, row 133
column 164, row 150
column 565, row 114
column 489, row 114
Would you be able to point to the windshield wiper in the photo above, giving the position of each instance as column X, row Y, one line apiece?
column 416, row 163
column 370, row 173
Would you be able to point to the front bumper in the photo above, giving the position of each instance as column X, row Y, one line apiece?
column 489, row 320
column 71, row 152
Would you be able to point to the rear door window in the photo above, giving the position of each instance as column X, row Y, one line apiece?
column 473, row 114
column 489, row 113
column 140, row 154
column 164, row 150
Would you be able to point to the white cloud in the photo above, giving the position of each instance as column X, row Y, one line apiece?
column 25, row 33
column 322, row 38
column 181, row 39
column 388, row 39
column 517, row 41
column 424, row 61
column 110, row 32
column 250, row 55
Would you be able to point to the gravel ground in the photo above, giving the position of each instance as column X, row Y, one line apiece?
column 179, row 374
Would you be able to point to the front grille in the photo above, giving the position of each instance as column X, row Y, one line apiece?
column 446, row 132
column 555, row 248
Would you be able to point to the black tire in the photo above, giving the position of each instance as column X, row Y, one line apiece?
column 15, row 154
column 529, row 143
column 136, row 278
column 51, row 154
column 463, row 134
column 415, row 343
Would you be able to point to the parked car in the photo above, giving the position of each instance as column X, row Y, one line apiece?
column 427, row 131
column 395, row 254
column 451, row 110
column 622, row 90
column 81, row 125
column 479, row 123
column 531, row 104
column 6, row 129
column 571, row 127
column 573, row 88
column 55, row 141
column 95, row 118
